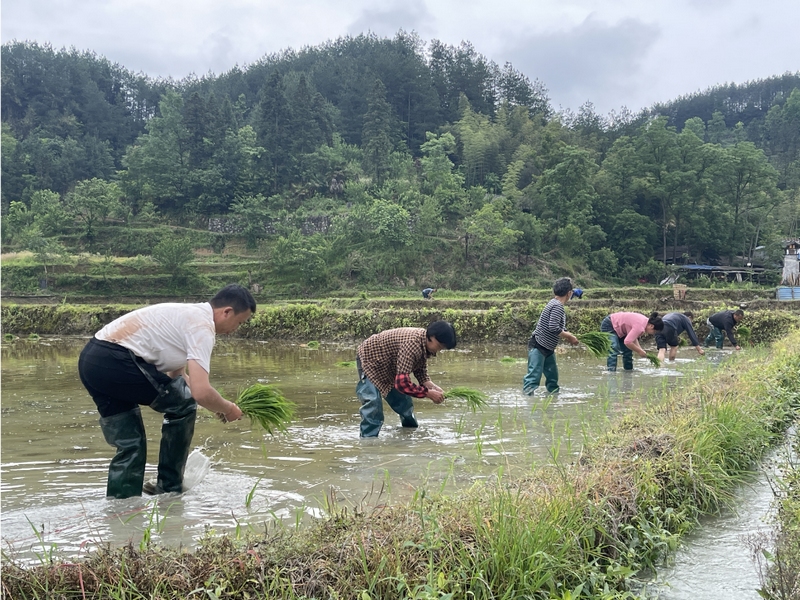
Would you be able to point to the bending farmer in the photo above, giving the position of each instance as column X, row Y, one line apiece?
column 551, row 326
column 385, row 363
column 158, row 356
column 624, row 329
column 723, row 321
column 674, row 324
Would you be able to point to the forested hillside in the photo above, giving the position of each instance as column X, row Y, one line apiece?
column 369, row 161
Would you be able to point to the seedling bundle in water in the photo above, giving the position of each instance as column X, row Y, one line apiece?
column 743, row 332
column 597, row 342
column 475, row 398
column 653, row 358
column 265, row 405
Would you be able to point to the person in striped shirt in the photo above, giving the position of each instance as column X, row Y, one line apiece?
column 551, row 326
column 385, row 362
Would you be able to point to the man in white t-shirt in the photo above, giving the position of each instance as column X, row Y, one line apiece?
column 159, row 356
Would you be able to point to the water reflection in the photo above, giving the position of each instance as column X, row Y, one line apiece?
column 54, row 457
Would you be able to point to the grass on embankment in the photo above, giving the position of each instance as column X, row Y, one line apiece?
column 314, row 321
column 579, row 530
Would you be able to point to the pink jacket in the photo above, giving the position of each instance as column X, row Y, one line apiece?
column 628, row 325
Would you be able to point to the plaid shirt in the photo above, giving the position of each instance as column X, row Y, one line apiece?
column 390, row 354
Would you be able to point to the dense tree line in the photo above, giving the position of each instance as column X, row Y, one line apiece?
column 417, row 158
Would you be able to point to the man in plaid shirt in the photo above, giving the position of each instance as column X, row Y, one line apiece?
column 386, row 361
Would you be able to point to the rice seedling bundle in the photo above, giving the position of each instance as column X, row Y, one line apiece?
column 346, row 364
column 313, row 344
column 597, row 342
column 265, row 405
column 475, row 398
column 743, row 332
column 653, row 358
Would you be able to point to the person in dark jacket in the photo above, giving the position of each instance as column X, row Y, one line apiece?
column 676, row 323
column 550, row 328
column 721, row 324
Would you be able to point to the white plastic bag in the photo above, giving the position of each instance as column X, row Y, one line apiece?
column 197, row 467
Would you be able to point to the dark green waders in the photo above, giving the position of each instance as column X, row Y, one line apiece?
column 538, row 365
column 716, row 335
column 180, row 411
column 175, row 401
column 125, row 431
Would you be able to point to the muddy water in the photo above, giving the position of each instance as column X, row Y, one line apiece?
column 716, row 559
column 54, row 458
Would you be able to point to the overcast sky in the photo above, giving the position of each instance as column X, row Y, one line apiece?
column 612, row 53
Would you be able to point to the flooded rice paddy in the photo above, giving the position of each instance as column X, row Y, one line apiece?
column 54, row 457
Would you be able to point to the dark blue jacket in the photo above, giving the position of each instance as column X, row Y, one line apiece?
column 675, row 323
column 724, row 320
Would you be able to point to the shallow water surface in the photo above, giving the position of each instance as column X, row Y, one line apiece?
column 55, row 460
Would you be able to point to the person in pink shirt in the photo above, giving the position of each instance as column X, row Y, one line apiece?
column 624, row 329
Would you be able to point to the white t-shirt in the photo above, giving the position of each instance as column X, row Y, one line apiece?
column 166, row 335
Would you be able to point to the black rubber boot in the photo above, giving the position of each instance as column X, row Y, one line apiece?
column 125, row 431
column 177, row 429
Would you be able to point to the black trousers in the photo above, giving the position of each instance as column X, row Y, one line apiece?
column 113, row 379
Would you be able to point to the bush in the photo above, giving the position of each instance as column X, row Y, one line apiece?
column 604, row 262
column 174, row 256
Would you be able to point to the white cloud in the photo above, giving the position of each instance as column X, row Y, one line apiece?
column 609, row 52
column 594, row 61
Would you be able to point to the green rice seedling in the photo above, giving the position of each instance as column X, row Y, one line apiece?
column 508, row 360
column 347, row 364
column 265, row 405
column 34, row 337
column 47, row 556
column 249, row 498
column 313, row 344
column 743, row 333
column 8, row 337
column 596, row 341
column 653, row 358
column 475, row 398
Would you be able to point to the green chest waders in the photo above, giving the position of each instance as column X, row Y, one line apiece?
column 125, row 431
column 175, row 401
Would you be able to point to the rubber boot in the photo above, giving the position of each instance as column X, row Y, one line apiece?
column 551, row 374
column 627, row 358
column 371, row 408
column 125, row 431
column 616, row 350
column 719, row 337
column 403, row 405
column 177, row 429
column 534, row 375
